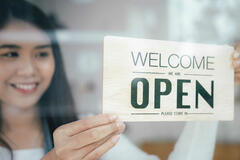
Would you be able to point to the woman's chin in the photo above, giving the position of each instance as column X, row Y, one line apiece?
column 23, row 105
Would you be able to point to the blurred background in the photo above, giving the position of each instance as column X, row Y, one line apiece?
column 84, row 23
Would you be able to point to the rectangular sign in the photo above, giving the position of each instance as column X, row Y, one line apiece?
column 154, row 80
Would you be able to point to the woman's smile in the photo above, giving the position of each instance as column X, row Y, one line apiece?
column 25, row 88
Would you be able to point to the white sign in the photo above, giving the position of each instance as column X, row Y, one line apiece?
column 153, row 80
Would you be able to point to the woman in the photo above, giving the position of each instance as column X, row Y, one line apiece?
column 35, row 96
column 37, row 109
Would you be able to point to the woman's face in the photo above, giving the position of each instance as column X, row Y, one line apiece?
column 26, row 64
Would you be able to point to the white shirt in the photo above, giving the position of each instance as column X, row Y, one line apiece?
column 22, row 154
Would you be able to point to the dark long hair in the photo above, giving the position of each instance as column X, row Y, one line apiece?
column 56, row 106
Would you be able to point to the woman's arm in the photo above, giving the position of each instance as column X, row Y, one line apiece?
column 51, row 155
column 125, row 150
column 196, row 142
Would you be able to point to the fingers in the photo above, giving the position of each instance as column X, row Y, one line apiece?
column 80, row 153
column 87, row 123
column 95, row 134
column 98, row 152
column 236, row 59
column 236, row 55
column 81, row 138
column 237, row 77
column 236, row 63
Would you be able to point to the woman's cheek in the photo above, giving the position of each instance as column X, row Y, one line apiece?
column 7, row 72
column 46, row 68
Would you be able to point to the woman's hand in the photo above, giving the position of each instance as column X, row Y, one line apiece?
column 86, row 139
column 236, row 63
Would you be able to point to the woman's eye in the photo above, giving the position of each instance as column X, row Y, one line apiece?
column 42, row 55
column 10, row 55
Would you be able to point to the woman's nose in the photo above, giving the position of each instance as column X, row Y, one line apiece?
column 27, row 67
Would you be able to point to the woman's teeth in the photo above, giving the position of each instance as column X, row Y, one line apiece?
column 25, row 86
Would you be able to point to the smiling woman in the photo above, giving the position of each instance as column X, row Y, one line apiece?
column 32, row 103
column 36, row 104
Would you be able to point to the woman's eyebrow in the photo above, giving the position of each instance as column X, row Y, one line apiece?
column 43, row 46
column 9, row 46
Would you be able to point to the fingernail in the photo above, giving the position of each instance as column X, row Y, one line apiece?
column 121, row 126
column 116, row 138
column 113, row 117
column 236, row 54
column 236, row 63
